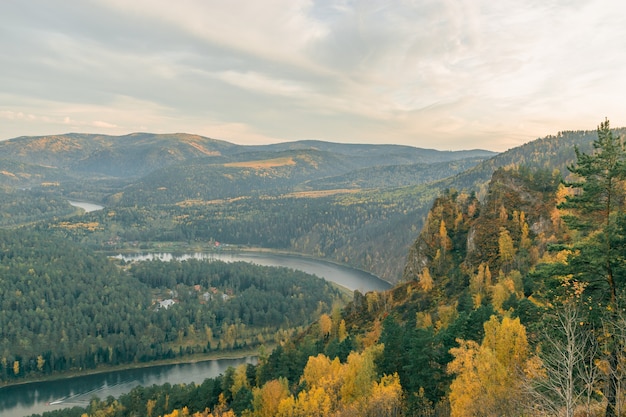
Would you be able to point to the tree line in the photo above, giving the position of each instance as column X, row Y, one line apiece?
column 64, row 307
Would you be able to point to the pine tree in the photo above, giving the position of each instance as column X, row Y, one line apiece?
column 595, row 210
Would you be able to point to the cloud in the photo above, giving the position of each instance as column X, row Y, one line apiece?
column 451, row 73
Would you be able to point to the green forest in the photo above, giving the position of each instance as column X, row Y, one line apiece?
column 509, row 300
column 65, row 308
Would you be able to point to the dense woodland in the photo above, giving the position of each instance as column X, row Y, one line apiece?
column 65, row 308
column 511, row 301
column 189, row 188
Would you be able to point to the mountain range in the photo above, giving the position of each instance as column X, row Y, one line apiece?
column 353, row 203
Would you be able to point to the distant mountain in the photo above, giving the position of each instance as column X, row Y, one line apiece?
column 80, row 157
column 370, row 155
column 115, row 156
column 394, row 175
column 359, row 204
column 256, row 174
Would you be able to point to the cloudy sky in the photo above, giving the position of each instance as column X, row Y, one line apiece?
column 443, row 74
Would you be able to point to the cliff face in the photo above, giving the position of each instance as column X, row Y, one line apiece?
column 507, row 231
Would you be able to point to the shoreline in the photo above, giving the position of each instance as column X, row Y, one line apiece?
column 235, row 354
column 174, row 248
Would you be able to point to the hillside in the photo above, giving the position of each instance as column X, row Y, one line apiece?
column 117, row 156
column 66, row 308
column 138, row 154
column 506, row 288
column 309, row 197
column 313, row 197
column 466, row 332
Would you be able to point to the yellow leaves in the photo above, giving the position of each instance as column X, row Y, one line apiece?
column 326, row 325
column 372, row 337
column 150, row 407
column 266, row 400
column 358, row 374
column 508, row 340
column 423, row 320
column 40, row 363
column 503, row 215
column 333, row 388
column 534, row 368
column 321, row 371
column 499, row 294
column 91, row 226
column 240, row 379
column 506, row 247
column 478, row 285
column 445, row 242
column 487, row 374
column 447, row 314
column 425, row 280
column 314, row 402
column 342, row 333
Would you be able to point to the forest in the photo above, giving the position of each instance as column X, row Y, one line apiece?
column 65, row 308
column 510, row 300
column 510, row 305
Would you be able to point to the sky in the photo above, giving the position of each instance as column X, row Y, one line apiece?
column 441, row 74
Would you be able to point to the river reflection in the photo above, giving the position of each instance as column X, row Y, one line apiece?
column 350, row 278
column 27, row 399
column 39, row 397
column 88, row 207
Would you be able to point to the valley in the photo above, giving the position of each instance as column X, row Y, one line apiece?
column 478, row 254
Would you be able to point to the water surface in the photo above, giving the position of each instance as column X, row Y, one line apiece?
column 350, row 278
column 39, row 397
column 88, row 207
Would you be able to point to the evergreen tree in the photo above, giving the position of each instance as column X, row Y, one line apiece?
column 595, row 212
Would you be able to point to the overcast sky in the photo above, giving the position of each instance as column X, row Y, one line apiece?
column 443, row 74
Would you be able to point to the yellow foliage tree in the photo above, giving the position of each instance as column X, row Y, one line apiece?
column 488, row 381
column 371, row 337
column 506, row 249
column 240, row 379
column 326, row 325
column 447, row 314
column 321, row 372
column 423, row 320
column 336, row 389
column 342, row 333
column 426, row 280
column 477, row 286
column 267, row 398
column 499, row 294
column 358, row 374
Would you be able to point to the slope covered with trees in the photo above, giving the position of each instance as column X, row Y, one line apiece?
column 62, row 307
column 511, row 305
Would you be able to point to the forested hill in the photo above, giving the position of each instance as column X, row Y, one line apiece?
column 116, row 156
column 362, row 205
column 65, row 308
column 138, row 154
column 330, row 200
column 511, row 304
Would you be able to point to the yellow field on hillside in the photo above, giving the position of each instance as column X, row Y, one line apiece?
column 320, row 193
column 264, row 163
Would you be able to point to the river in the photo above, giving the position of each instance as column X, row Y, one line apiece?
column 39, row 397
column 27, row 399
column 88, row 207
column 350, row 278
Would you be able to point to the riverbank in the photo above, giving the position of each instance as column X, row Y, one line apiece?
column 179, row 248
column 189, row 359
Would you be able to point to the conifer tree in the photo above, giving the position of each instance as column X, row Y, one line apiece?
column 595, row 211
